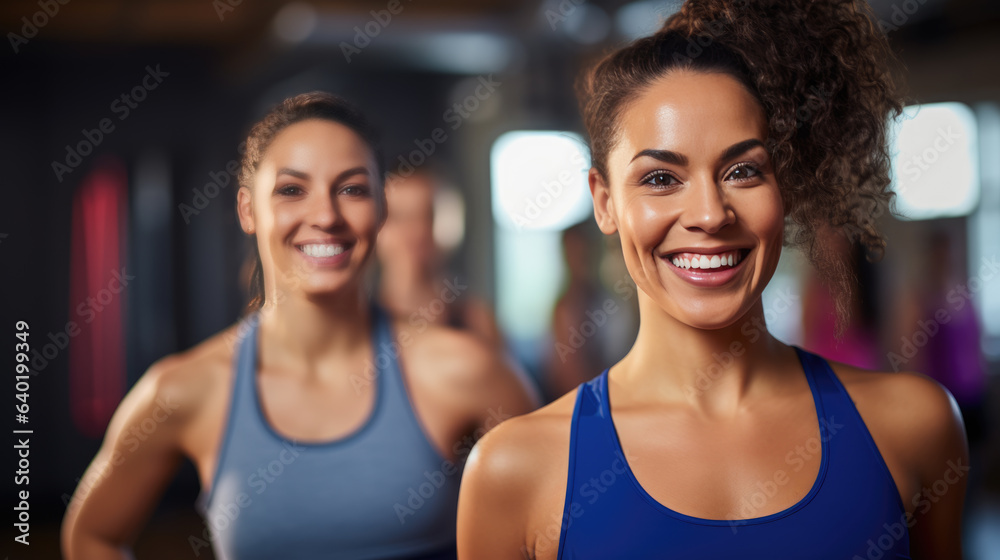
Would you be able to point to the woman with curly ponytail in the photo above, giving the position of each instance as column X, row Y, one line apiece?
column 736, row 129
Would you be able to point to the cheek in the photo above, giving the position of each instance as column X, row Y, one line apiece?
column 282, row 217
column 644, row 222
column 763, row 214
column 363, row 217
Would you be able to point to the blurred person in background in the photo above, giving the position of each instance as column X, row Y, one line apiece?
column 578, row 354
column 413, row 285
column 711, row 438
column 317, row 424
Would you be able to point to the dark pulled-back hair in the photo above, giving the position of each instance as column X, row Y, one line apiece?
column 305, row 106
column 822, row 72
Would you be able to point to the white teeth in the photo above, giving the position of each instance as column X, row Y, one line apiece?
column 730, row 258
column 316, row 250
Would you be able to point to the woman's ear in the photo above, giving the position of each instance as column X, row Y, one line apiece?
column 244, row 209
column 604, row 207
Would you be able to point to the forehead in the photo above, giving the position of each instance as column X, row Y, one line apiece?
column 316, row 140
column 692, row 113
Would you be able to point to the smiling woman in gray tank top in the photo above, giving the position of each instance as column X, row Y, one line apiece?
column 319, row 427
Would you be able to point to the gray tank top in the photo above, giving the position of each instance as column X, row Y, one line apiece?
column 381, row 492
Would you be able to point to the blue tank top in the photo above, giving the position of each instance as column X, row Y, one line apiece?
column 852, row 511
column 381, row 492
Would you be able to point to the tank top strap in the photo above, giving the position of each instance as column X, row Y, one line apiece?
column 590, row 428
column 394, row 401
column 818, row 372
column 241, row 395
column 840, row 415
column 832, row 401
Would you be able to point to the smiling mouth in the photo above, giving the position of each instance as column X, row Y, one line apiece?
column 702, row 261
column 321, row 250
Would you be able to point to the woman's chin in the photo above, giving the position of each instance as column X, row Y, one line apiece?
column 329, row 289
column 708, row 317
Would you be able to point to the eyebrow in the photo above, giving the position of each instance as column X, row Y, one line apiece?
column 668, row 156
column 740, row 148
column 359, row 170
column 665, row 156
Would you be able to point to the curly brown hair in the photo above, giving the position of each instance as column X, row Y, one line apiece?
column 823, row 72
column 305, row 106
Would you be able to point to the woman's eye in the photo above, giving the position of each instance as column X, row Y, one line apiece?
column 744, row 172
column 659, row 179
column 354, row 190
column 289, row 190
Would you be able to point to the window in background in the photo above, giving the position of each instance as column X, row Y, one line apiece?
column 935, row 161
column 984, row 232
column 539, row 188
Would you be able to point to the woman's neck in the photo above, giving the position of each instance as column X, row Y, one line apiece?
column 302, row 332
column 712, row 370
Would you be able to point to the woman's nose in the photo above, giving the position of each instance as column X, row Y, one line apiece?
column 706, row 207
column 325, row 211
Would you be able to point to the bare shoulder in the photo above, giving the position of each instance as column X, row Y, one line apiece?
column 514, row 486
column 460, row 365
column 909, row 414
column 526, row 452
column 917, row 400
column 456, row 355
column 187, row 382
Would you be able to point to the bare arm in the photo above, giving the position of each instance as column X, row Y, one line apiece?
column 942, row 464
column 492, row 502
column 514, row 487
column 124, row 482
